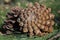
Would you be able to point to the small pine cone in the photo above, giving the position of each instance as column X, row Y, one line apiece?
column 34, row 20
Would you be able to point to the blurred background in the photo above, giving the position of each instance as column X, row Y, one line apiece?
column 5, row 6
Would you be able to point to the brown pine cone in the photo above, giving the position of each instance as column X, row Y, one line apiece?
column 34, row 19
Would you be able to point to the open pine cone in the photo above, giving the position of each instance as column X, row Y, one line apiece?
column 36, row 19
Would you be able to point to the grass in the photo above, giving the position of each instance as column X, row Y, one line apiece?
column 24, row 37
column 54, row 4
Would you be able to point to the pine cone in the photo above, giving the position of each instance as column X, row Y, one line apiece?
column 36, row 19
